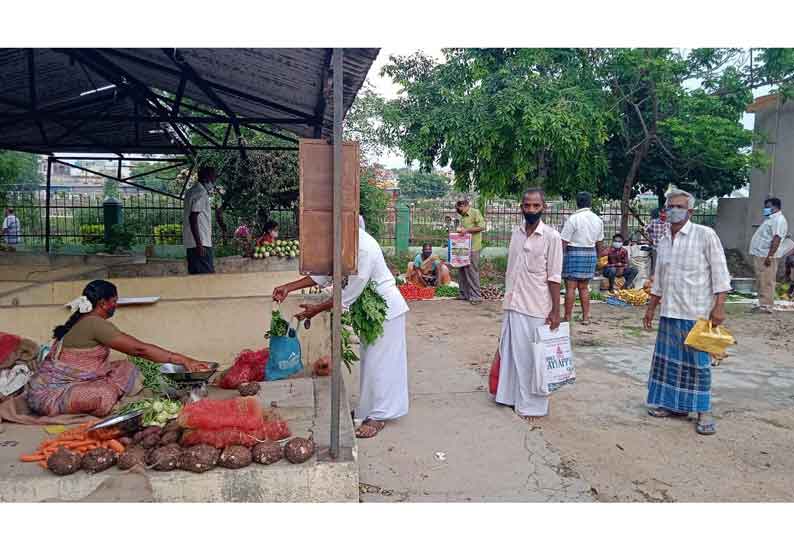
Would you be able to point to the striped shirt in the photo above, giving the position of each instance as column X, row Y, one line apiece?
column 690, row 271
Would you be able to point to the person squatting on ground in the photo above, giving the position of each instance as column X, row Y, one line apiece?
column 581, row 236
column 691, row 283
column 618, row 264
column 532, row 299
column 427, row 269
column 763, row 249
column 383, row 388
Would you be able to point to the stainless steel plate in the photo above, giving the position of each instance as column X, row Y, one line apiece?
column 178, row 374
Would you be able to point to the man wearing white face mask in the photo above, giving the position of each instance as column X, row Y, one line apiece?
column 691, row 282
column 763, row 249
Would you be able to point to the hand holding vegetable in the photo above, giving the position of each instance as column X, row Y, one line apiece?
column 280, row 294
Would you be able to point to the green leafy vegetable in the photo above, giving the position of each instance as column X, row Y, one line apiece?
column 278, row 326
column 349, row 356
column 153, row 379
column 447, row 291
column 367, row 314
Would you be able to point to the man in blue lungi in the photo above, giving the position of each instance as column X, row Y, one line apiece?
column 691, row 282
column 582, row 236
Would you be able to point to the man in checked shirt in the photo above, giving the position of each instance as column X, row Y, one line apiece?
column 691, row 283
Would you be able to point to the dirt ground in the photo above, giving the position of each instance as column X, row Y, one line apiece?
column 598, row 434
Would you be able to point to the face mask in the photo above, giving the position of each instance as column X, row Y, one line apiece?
column 426, row 255
column 111, row 311
column 532, row 218
column 676, row 215
column 767, row 212
column 617, row 244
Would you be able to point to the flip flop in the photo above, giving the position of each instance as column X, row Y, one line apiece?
column 664, row 413
column 373, row 427
column 706, row 428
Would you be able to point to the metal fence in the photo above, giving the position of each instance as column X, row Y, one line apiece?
column 77, row 220
column 429, row 220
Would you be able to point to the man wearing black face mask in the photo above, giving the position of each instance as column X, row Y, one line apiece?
column 532, row 299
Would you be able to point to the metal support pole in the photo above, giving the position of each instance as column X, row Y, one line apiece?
column 336, row 326
column 47, row 217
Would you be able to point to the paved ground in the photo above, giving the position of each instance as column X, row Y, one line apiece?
column 598, row 443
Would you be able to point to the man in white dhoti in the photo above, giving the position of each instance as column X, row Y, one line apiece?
column 383, row 393
column 532, row 299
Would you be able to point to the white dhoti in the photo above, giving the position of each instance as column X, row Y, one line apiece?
column 384, row 374
column 516, row 369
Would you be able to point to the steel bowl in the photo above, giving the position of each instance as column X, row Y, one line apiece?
column 130, row 422
column 743, row 285
column 177, row 373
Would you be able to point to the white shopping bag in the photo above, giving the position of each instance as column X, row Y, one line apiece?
column 554, row 359
column 459, row 249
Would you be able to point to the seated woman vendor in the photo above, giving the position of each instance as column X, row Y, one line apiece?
column 427, row 269
column 270, row 235
column 76, row 377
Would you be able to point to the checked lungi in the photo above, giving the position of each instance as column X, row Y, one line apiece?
column 680, row 378
column 579, row 263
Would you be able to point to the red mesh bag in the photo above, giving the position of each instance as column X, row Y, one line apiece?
column 243, row 413
column 249, row 366
column 220, row 438
column 493, row 376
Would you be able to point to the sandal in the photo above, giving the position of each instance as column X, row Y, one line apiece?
column 706, row 428
column 664, row 413
column 369, row 428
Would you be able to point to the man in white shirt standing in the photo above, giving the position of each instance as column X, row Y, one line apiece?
column 763, row 249
column 197, row 223
column 11, row 228
column 691, row 282
column 581, row 242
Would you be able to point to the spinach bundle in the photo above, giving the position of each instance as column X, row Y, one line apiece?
column 367, row 314
column 278, row 326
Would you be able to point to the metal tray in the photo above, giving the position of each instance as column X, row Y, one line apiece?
column 129, row 422
column 177, row 373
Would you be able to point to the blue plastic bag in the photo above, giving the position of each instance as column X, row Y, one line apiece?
column 285, row 356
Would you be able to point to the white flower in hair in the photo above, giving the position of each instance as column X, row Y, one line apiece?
column 81, row 304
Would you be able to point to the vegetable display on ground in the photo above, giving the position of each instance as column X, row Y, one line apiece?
column 155, row 411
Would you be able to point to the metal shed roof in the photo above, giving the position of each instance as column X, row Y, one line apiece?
column 150, row 100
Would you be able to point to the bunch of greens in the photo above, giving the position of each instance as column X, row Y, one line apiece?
column 447, row 291
column 155, row 411
column 278, row 326
column 367, row 314
column 349, row 356
column 153, row 379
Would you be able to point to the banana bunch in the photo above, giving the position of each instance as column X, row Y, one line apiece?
column 636, row 297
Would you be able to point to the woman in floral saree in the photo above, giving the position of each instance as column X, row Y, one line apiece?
column 76, row 376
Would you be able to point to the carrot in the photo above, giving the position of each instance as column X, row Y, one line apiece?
column 115, row 445
column 31, row 458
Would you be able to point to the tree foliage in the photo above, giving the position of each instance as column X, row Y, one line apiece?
column 421, row 184
column 18, row 170
column 612, row 121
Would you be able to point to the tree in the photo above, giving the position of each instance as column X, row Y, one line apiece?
column 362, row 122
column 18, row 170
column 501, row 118
column 372, row 200
column 420, row 184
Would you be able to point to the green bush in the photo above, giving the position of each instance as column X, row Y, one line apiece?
column 92, row 234
column 120, row 238
column 168, row 234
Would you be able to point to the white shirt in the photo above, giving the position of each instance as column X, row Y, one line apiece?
column 583, row 229
column 690, row 271
column 197, row 200
column 11, row 223
column 762, row 238
column 371, row 267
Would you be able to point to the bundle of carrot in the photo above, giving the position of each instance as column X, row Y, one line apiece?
column 80, row 439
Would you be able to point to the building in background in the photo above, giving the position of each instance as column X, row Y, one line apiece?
column 738, row 218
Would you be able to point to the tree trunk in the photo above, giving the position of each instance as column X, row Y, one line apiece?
column 660, row 196
column 628, row 184
column 543, row 168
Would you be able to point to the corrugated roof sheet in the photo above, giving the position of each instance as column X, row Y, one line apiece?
column 284, row 84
